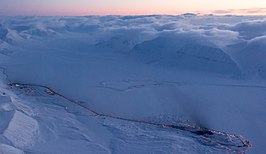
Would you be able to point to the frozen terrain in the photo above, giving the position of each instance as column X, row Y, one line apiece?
column 133, row 84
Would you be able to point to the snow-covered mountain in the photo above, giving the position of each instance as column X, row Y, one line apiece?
column 251, row 56
column 132, row 84
column 185, row 53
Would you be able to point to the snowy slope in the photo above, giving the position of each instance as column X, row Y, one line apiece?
column 132, row 84
column 186, row 53
column 252, row 57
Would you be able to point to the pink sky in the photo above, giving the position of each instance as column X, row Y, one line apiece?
column 130, row 7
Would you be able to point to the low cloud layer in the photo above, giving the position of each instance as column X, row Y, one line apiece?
column 231, row 34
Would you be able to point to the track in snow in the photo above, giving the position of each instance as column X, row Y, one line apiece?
column 208, row 137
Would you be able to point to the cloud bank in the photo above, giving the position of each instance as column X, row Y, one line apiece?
column 230, row 34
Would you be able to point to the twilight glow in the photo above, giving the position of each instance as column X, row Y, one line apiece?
column 130, row 7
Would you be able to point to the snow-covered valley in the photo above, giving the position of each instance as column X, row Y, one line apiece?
column 133, row 84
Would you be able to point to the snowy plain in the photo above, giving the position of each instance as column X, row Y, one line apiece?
column 133, row 84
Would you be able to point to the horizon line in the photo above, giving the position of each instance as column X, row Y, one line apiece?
column 254, row 11
column 152, row 14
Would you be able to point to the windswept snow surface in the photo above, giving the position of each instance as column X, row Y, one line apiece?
column 133, row 84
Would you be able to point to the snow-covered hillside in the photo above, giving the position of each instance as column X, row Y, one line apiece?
column 133, row 84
